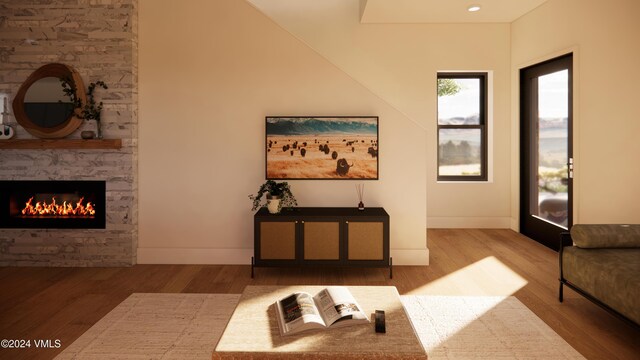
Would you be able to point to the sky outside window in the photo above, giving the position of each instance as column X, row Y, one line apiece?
column 464, row 104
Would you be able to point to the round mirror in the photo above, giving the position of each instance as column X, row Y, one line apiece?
column 46, row 104
column 43, row 108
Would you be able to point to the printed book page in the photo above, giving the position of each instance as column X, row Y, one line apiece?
column 337, row 304
column 332, row 307
column 298, row 312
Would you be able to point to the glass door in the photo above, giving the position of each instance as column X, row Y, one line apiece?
column 546, row 173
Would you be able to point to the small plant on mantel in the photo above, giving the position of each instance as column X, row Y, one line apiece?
column 276, row 192
column 89, row 111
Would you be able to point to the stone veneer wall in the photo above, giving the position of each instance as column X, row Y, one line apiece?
column 99, row 39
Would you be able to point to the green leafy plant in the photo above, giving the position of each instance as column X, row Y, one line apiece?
column 447, row 87
column 69, row 89
column 273, row 189
column 92, row 109
column 553, row 180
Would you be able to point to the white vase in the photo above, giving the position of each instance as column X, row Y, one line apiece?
column 273, row 205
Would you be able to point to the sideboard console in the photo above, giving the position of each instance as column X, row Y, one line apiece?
column 322, row 236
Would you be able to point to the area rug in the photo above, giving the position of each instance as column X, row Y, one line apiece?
column 157, row 326
column 483, row 327
column 187, row 326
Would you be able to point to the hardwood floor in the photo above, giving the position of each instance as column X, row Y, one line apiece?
column 62, row 303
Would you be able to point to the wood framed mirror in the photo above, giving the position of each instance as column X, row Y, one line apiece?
column 42, row 108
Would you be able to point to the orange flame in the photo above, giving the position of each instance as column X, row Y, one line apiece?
column 53, row 209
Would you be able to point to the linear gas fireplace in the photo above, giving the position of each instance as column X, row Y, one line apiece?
column 52, row 204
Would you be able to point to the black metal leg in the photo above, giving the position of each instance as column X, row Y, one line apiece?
column 252, row 267
column 390, row 268
column 560, row 294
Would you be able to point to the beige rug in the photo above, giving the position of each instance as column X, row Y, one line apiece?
column 187, row 326
column 157, row 326
column 483, row 327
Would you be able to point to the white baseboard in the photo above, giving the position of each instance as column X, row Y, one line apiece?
column 194, row 256
column 515, row 225
column 243, row 256
column 469, row 222
column 410, row 257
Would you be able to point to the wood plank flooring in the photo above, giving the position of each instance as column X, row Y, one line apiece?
column 62, row 303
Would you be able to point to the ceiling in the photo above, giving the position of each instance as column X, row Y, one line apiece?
column 444, row 11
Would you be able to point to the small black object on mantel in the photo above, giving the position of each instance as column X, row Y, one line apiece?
column 360, row 190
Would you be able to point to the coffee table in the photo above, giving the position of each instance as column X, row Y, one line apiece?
column 252, row 332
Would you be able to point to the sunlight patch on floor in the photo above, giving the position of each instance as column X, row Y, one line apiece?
column 488, row 276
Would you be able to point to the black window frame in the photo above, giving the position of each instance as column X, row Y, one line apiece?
column 483, row 126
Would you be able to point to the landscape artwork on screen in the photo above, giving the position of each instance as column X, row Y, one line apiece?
column 337, row 147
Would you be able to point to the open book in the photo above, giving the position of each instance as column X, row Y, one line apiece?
column 330, row 308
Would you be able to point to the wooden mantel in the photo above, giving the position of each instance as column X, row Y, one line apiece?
column 61, row 144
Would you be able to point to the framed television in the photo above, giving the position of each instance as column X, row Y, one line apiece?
column 322, row 147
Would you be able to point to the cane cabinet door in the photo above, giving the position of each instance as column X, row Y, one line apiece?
column 277, row 240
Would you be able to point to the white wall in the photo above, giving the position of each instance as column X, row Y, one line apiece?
column 210, row 71
column 399, row 63
column 604, row 36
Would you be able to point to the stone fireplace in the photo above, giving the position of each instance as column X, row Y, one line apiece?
column 100, row 42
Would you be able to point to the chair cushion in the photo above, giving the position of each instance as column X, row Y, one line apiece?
column 610, row 275
column 606, row 236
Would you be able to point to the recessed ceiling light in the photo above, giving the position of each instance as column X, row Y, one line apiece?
column 473, row 8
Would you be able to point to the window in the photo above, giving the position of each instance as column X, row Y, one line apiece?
column 462, row 126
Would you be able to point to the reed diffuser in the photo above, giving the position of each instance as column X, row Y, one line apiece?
column 360, row 190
